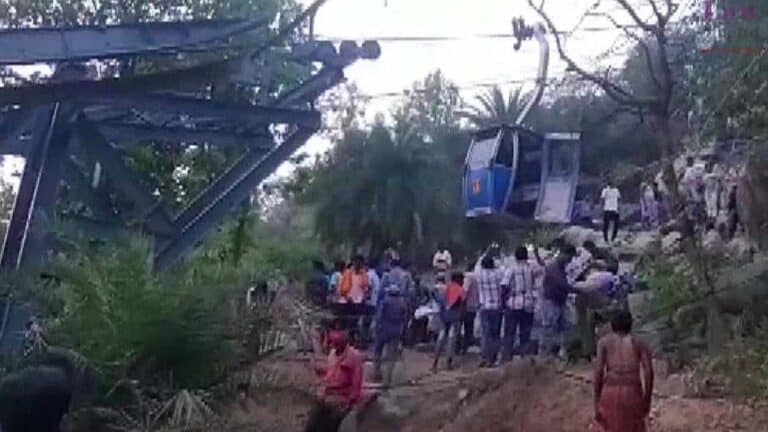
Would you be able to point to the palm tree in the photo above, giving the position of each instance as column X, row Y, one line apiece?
column 379, row 188
column 492, row 108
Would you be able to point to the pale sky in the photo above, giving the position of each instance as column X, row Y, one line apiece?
column 466, row 62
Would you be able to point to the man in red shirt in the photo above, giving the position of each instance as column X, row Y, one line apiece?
column 342, row 385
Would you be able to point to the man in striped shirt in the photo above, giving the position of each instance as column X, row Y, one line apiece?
column 519, row 285
column 489, row 279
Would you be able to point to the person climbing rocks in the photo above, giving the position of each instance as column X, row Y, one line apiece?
column 610, row 196
column 649, row 206
column 555, row 293
column 623, row 379
column 712, row 186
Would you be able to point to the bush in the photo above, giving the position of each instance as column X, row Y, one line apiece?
column 130, row 323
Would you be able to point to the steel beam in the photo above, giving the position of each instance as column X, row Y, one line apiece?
column 202, row 107
column 312, row 88
column 47, row 191
column 126, row 132
column 219, row 187
column 128, row 180
column 46, row 44
column 23, row 210
column 194, row 231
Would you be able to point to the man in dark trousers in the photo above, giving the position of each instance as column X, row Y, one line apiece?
column 555, row 295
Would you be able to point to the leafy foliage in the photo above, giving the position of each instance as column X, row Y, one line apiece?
column 492, row 108
column 178, row 330
column 128, row 322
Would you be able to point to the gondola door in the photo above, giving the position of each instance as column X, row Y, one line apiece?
column 560, row 177
column 480, row 189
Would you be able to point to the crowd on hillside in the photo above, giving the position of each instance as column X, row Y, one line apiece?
column 507, row 298
column 517, row 303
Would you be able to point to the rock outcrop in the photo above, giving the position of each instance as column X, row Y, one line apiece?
column 752, row 197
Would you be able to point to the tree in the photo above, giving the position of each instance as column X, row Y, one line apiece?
column 727, row 76
column 657, row 103
column 492, row 108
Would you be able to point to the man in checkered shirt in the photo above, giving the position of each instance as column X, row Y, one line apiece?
column 519, row 284
column 489, row 281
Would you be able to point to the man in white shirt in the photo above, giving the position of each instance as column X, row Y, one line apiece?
column 610, row 197
column 712, row 183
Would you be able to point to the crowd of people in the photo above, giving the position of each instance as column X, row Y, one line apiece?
column 519, row 302
column 382, row 306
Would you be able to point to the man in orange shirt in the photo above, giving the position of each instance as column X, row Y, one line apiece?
column 341, row 388
column 353, row 291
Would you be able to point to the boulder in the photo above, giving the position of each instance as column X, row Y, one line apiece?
column 576, row 235
column 670, row 243
column 639, row 243
column 739, row 249
column 752, row 196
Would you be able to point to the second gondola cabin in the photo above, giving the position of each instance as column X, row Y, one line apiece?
column 513, row 171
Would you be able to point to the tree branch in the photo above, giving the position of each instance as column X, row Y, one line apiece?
column 643, row 46
column 656, row 10
column 635, row 17
column 613, row 90
column 671, row 9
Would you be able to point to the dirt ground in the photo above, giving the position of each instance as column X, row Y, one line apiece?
column 521, row 396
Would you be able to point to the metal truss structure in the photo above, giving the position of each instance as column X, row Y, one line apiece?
column 74, row 129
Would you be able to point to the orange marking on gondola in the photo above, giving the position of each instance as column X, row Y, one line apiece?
column 476, row 186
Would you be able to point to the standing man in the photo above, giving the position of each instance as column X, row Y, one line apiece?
column 353, row 289
column 489, row 280
column 693, row 188
column 610, row 196
column 470, row 311
column 371, row 300
column 391, row 319
column 397, row 277
column 555, row 294
column 622, row 393
column 451, row 302
column 712, row 186
column 518, row 313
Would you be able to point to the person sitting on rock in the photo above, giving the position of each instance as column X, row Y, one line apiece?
column 341, row 389
column 600, row 254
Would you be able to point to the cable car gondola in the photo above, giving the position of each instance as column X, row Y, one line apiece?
column 513, row 170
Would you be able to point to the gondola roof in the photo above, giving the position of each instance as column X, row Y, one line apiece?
column 493, row 130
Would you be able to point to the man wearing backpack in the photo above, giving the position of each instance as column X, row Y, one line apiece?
column 391, row 319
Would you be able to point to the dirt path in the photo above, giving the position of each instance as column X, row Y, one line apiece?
column 521, row 397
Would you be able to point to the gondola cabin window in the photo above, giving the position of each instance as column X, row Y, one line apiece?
column 483, row 152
